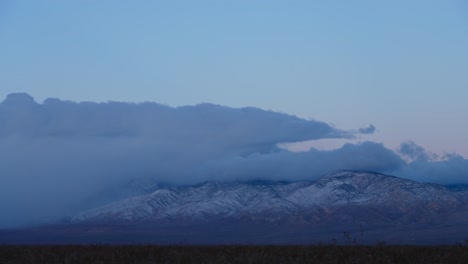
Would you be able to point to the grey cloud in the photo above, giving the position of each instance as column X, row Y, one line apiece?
column 451, row 171
column 367, row 130
column 291, row 166
column 243, row 128
column 58, row 155
column 424, row 166
column 415, row 152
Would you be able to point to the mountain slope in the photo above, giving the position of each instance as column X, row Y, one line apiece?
column 344, row 196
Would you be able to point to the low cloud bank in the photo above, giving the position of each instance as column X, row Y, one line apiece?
column 414, row 152
column 58, row 155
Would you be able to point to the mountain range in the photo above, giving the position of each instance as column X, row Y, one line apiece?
column 370, row 205
column 340, row 196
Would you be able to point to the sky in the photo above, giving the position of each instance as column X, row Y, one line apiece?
column 97, row 94
column 399, row 65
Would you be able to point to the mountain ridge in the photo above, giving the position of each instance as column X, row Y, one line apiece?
column 339, row 196
column 365, row 206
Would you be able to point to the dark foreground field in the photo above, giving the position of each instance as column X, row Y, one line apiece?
column 233, row 254
column 227, row 233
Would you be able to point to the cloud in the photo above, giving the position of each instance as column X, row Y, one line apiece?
column 414, row 152
column 292, row 166
column 209, row 124
column 367, row 130
column 60, row 157
column 454, row 170
column 57, row 154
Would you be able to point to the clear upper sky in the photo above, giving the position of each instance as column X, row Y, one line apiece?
column 399, row 65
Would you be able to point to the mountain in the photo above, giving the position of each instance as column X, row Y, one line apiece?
column 344, row 196
column 343, row 207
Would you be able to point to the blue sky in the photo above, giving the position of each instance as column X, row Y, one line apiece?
column 399, row 65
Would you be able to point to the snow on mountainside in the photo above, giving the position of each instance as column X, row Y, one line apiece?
column 340, row 196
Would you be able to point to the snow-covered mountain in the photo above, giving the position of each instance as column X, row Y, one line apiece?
column 343, row 196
